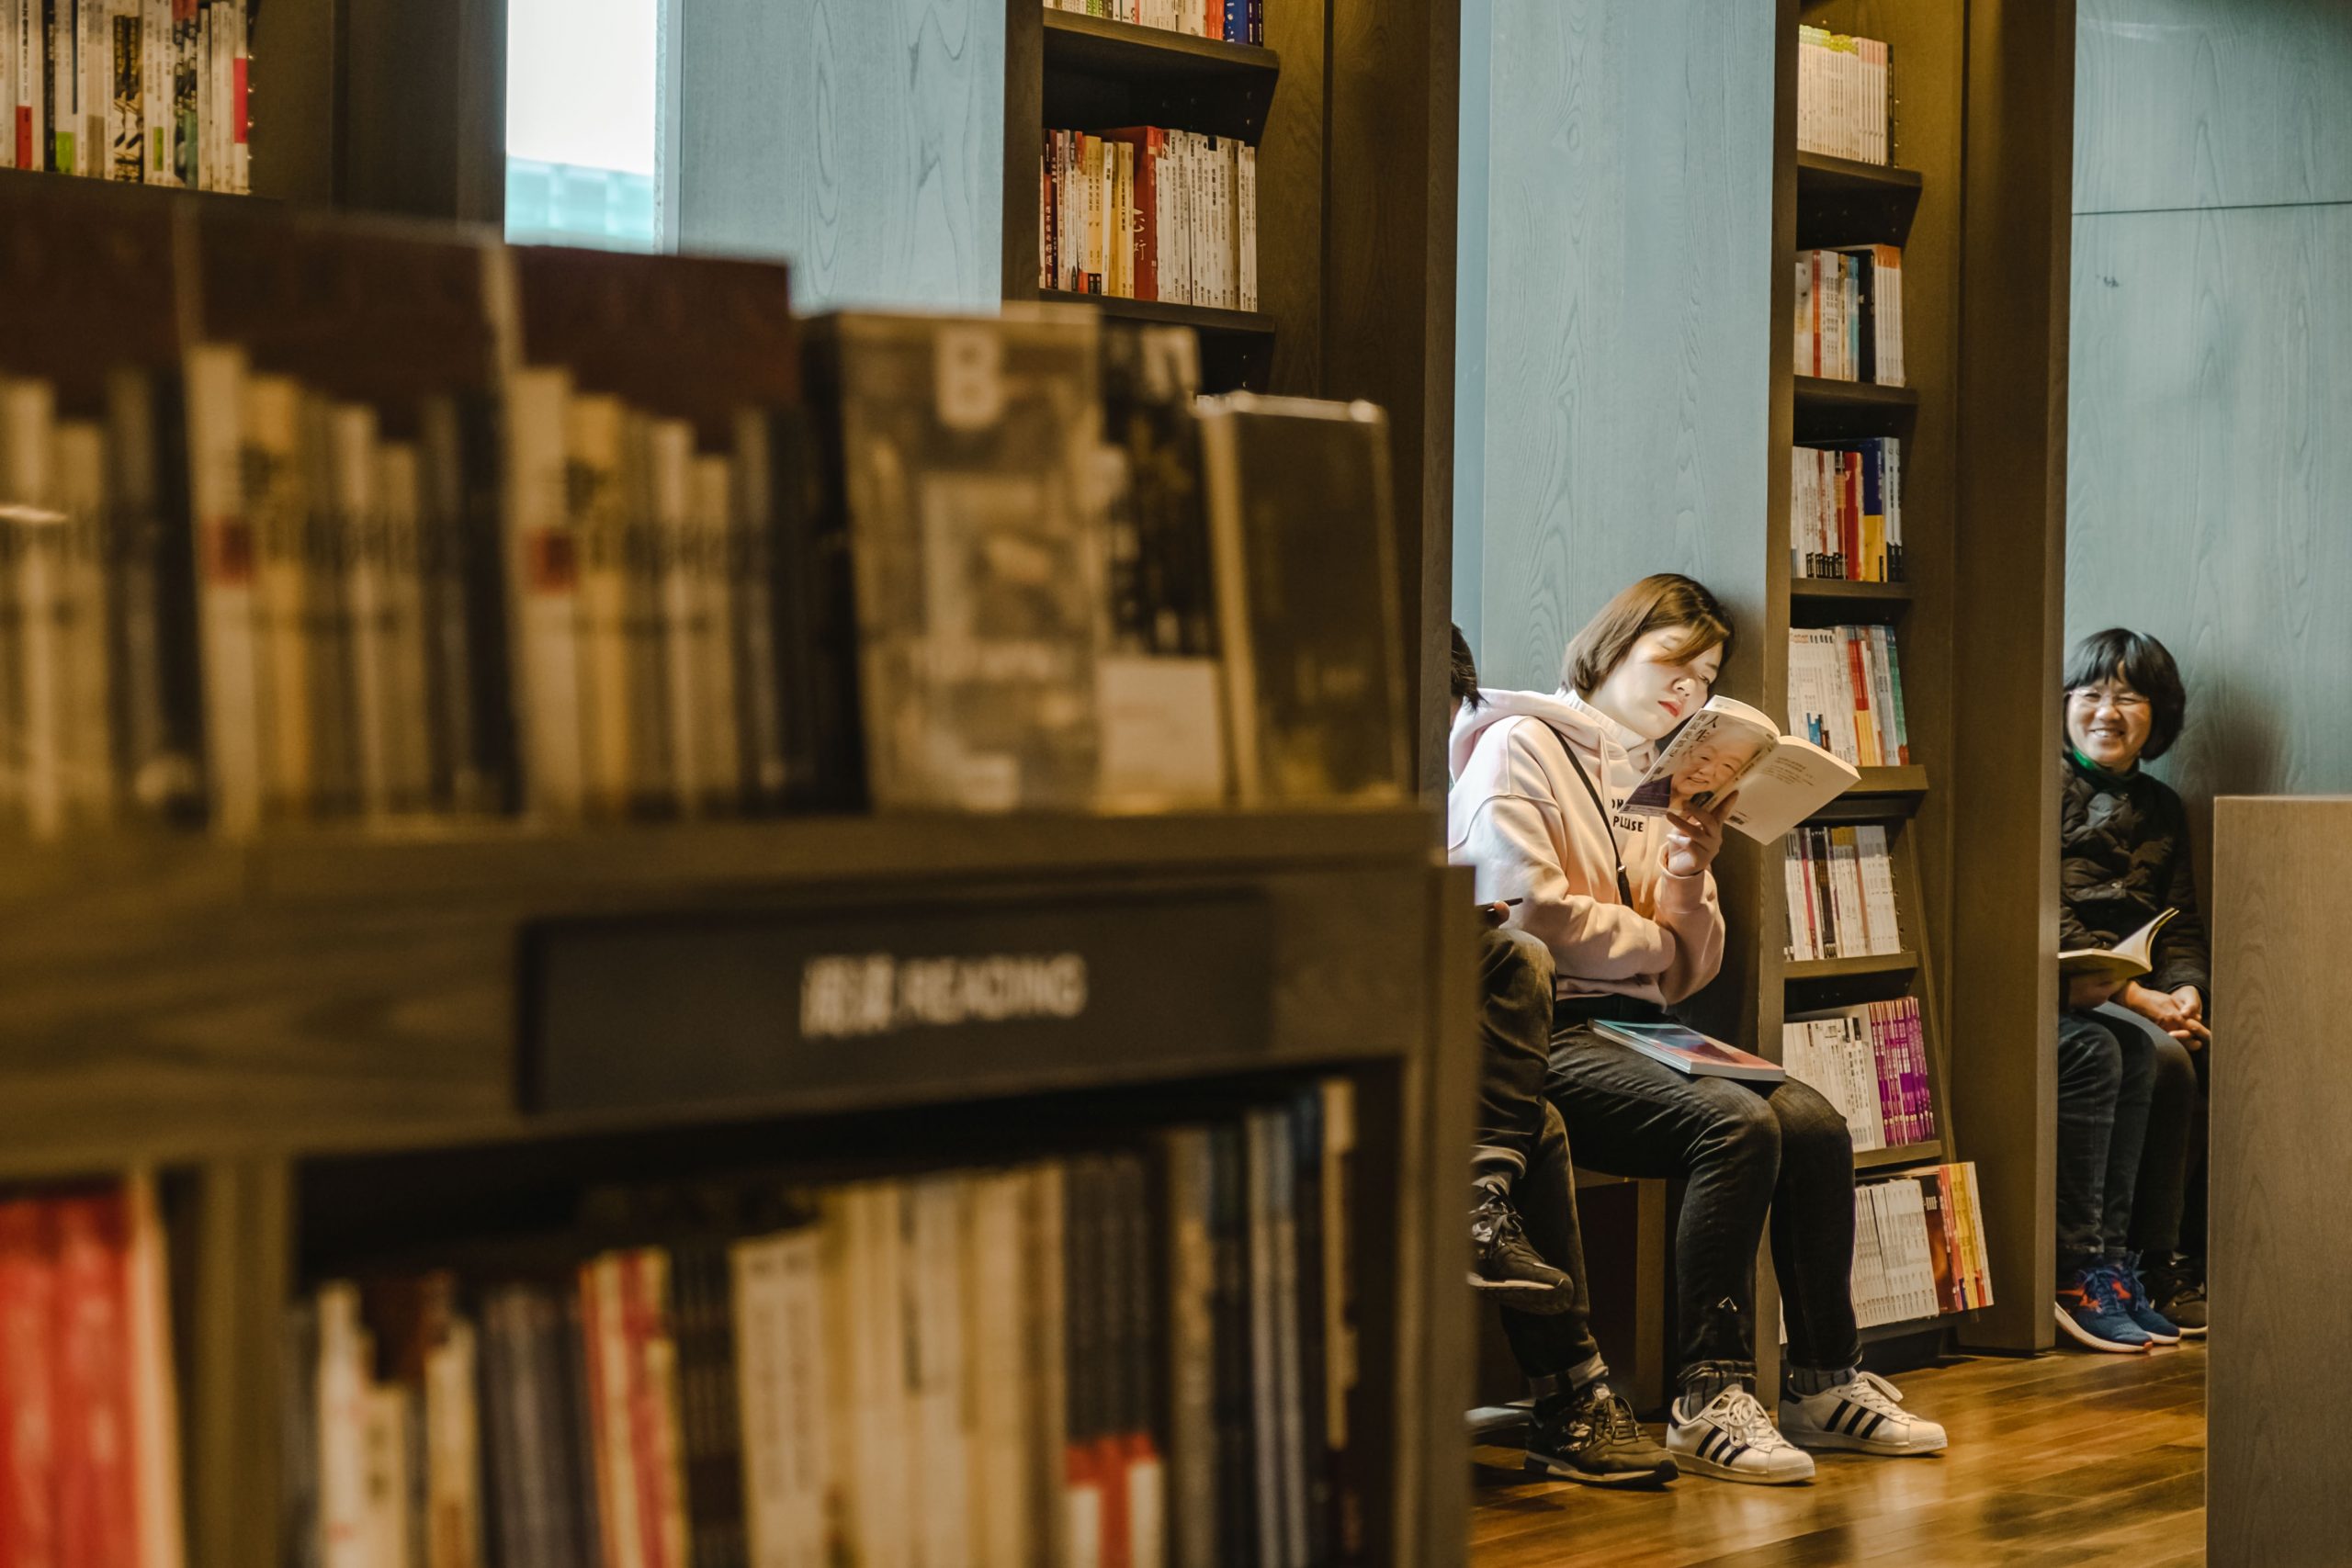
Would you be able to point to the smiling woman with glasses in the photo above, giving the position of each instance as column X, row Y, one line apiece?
column 2130, row 1090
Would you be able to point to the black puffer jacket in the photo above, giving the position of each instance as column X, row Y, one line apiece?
column 2123, row 859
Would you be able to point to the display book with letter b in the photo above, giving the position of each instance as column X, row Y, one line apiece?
column 2127, row 960
column 1728, row 747
column 1691, row 1053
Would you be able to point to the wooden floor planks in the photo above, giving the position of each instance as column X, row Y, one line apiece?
column 2072, row 1461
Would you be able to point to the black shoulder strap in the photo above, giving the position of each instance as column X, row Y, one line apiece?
column 1608, row 825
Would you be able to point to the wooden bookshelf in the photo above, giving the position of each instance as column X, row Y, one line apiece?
column 1804, row 970
column 1828, row 602
column 315, row 1036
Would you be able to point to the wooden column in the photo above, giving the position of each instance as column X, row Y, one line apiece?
column 2008, row 606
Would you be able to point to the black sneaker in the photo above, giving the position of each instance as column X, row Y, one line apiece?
column 1501, row 1263
column 2178, row 1290
column 1592, row 1436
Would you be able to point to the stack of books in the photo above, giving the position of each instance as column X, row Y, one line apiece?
column 1849, row 314
column 330, row 523
column 1844, row 96
column 1871, row 1061
column 1230, row 21
column 1845, row 694
column 1846, row 510
column 1150, row 214
column 1141, row 1356
column 1919, row 1246
column 147, row 92
column 1841, row 893
column 89, row 1440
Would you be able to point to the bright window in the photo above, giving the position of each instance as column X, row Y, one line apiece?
column 582, row 107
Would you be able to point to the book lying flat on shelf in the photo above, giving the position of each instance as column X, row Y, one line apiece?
column 1691, row 1053
column 2127, row 960
column 1728, row 747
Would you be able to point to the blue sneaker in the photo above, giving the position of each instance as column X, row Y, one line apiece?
column 2090, row 1308
column 2141, row 1303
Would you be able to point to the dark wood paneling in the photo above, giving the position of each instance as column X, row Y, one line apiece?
column 863, row 139
column 2008, row 556
column 292, row 104
column 2187, row 103
column 1291, row 196
column 1388, row 290
column 423, row 107
column 2282, row 1097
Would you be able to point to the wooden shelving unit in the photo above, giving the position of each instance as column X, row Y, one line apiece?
column 318, row 1037
column 1072, row 72
column 1819, row 203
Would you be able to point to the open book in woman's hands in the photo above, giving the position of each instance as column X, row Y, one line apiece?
column 2128, row 960
column 1728, row 746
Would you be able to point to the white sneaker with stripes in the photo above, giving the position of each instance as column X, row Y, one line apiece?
column 1865, row 1415
column 1733, row 1439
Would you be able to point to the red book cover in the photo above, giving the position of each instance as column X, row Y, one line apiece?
column 1865, row 729
column 97, row 1498
column 1147, row 141
column 28, row 1389
column 644, row 1315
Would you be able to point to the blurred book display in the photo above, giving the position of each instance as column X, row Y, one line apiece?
column 321, row 519
column 141, row 92
column 1128, row 1355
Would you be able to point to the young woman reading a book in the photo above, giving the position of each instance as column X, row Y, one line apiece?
column 2131, row 1099
column 1626, row 903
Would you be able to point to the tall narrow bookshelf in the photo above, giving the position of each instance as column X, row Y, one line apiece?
column 1822, row 202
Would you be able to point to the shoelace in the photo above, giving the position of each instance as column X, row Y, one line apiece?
column 1736, row 1412
column 1874, row 1393
column 2104, row 1290
column 1616, row 1416
column 1501, row 1221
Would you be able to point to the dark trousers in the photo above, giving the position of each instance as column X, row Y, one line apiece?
column 1514, row 1050
column 2168, row 1206
column 2106, row 1078
column 1747, row 1152
column 1521, row 1136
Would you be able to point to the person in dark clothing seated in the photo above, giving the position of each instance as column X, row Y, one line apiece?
column 1527, row 1248
column 2131, row 1099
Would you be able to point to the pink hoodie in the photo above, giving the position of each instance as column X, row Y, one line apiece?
column 1518, row 815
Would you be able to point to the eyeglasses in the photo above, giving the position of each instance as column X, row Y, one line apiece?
column 2103, row 696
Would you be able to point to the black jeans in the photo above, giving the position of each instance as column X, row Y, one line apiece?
column 1747, row 1152
column 1514, row 1049
column 2106, row 1076
column 2168, row 1206
column 1520, row 1136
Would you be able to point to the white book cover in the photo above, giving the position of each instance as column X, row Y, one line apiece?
column 544, row 581
column 346, row 1353
column 1248, row 157
column 669, row 449
column 1878, row 883
column 931, row 1276
column 1801, row 944
column 453, row 1452
column 27, row 428
column 596, row 428
column 1845, row 895
column 157, row 68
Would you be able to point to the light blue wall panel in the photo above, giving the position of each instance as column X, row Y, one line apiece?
column 2211, row 102
column 1619, row 425
column 863, row 139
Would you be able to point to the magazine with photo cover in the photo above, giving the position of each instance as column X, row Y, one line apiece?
column 1728, row 748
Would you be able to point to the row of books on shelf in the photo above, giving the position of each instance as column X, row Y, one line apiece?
column 406, row 524
column 1871, row 1061
column 1846, row 510
column 149, row 92
column 1919, row 1246
column 1841, row 893
column 1845, row 694
column 89, row 1438
column 1139, row 1357
column 1146, row 213
column 1849, row 314
column 1229, row 21
column 1845, row 95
